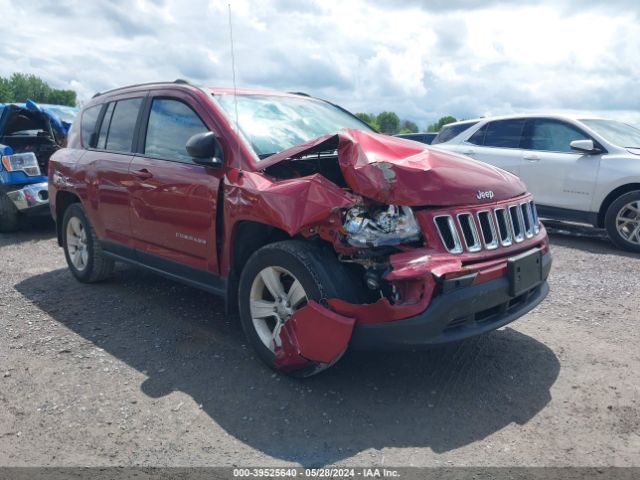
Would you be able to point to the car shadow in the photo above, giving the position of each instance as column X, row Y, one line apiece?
column 443, row 398
column 581, row 237
column 37, row 228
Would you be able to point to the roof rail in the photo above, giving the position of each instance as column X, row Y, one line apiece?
column 179, row 81
column 300, row 93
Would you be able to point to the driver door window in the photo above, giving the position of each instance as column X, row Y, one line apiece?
column 171, row 124
column 553, row 136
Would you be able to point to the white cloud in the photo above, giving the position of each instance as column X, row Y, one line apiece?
column 420, row 59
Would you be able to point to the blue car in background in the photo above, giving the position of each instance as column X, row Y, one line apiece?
column 29, row 134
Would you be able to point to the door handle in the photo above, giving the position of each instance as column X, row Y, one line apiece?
column 532, row 158
column 143, row 174
column 469, row 151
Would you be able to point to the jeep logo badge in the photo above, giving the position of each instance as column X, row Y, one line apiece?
column 484, row 195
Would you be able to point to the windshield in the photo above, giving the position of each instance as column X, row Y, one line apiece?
column 273, row 123
column 615, row 132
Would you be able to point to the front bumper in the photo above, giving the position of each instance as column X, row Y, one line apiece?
column 31, row 199
column 458, row 314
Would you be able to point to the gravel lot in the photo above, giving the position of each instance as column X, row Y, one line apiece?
column 140, row 370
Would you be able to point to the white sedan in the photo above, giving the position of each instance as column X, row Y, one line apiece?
column 583, row 170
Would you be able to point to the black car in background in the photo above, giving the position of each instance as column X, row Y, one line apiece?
column 418, row 137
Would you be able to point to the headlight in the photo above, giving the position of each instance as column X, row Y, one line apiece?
column 377, row 226
column 25, row 162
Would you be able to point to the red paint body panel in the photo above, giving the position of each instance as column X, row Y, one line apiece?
column 313, row 333
column 173, row 212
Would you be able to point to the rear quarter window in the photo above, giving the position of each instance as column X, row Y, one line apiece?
column 88, row 124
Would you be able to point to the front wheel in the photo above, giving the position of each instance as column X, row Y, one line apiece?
column 276, row 281
column 622, row 221
column 82, row 249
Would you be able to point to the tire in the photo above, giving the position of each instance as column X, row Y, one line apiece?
column 622, row 221
column 8, row 214
column 291, row 260
column 82, row 249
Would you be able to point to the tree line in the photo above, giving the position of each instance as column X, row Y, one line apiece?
column 391, row 124
column 21, row 86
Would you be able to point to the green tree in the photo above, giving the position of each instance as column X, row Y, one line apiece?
column 389, row 122
column 369, row 119
column 435, row 127
column 407, row 126
column 21, row 86
column 62, row 97
column 5, row 90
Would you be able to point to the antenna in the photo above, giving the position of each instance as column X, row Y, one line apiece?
column 233, row 71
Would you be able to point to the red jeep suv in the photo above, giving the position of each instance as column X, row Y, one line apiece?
column 323, row 233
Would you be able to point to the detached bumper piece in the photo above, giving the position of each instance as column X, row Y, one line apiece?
column 459, row 313
column 313, row 334
column 31, row 199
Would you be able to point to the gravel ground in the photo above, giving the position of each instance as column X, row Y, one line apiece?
column 143, row 371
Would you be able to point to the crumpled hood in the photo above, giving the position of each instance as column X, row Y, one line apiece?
column 392, row 170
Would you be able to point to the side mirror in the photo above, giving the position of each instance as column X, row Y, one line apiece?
column 205, row 149
column 585, row 146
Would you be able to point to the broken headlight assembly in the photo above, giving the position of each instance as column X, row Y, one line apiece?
column 379, row 226
column 21, row 162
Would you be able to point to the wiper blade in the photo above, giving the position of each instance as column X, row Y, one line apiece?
column 262, row 156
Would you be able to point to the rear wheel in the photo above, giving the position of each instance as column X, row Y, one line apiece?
column 8, row 214
column 276, row 281
column 622, row 221
column 82, row 249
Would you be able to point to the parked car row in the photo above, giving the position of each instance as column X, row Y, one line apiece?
column 320, row 232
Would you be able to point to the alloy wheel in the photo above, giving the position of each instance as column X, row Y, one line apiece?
column 77, row 243
column 275, row 295
column 628, row 222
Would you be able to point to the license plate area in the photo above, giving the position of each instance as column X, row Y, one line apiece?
column 524, row 271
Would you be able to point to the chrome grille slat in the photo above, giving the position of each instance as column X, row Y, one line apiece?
column 504, row 226
column 469, row 232
column 501, row 226
column 450, row 233
column 487, row 229
column 528, row 219
column 536, row 221
column 517, row 223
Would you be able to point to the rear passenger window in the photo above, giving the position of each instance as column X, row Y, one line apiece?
column 451, row 131
column 88, row 124
column 171, row 124
column 478, row 137
column 122, row 124
column 504, row 133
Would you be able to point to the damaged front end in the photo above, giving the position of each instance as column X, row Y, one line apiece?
column 379, row 212
column 29, row 135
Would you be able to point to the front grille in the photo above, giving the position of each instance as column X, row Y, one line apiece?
column 488, row 229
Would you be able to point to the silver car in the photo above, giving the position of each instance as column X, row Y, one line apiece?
column 584, row 170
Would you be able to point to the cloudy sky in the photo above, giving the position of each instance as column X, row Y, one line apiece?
column 422, row 59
